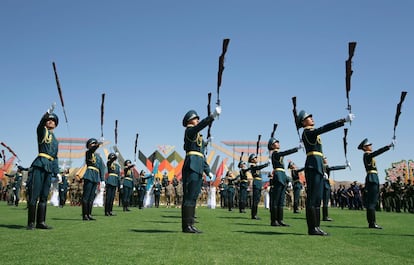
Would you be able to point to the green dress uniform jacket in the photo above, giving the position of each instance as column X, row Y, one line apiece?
column 114, row 170
column 95, row 170
column 279, row 175
column 47, row 158
column 128, row 180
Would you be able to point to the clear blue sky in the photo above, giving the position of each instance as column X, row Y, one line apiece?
column 157, row 59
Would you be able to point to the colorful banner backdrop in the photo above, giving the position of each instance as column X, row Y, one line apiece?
column 402, row 169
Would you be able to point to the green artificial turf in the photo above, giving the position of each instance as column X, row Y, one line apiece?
column 153, row 236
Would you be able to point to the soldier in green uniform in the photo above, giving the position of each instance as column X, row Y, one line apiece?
column 27, row 186
column 297, row 185
column 127, row 184
column 95, row 173
column 371, row 180
column 44, row 167
column 326, row 194
column 17, row 183
column 112, row 183
column 257, row 184
column 314, row 166
column 175, row 184
column 63, row 187
column 164, row 180
column 397, row 186
column 79, row 192
column 231, row 179
column 279, row 181
column 143, row 179
column 243, row 185
column 409, row 192
column 223, row 193
column 73, row 189
column 156, row 189
column 195, row 165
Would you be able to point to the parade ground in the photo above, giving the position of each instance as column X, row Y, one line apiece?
column 153, row 236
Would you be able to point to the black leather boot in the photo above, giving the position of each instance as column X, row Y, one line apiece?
column 318, row 221
column 254, row 213
column 325, row 216
column 280, row 216
column 85, row 211
column 111, row 206
column 371, row 219
column 90, row 206
column 311, row 221
column 192, row 220
column 186, row 217
column 273, row 217
column 126, row 207
column 295, row 208
column 106, row 206
column 242, row 207
column 31, row 216
column 41, row 216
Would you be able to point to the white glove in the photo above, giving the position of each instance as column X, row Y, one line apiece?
column 121, row 186
column 103, row 184
column 350, row 117
column 52, row 108
column 300, row 146
column 133, row 189
column 59, row 178
column 217, row 112
column 393, row 143
column 211, row 175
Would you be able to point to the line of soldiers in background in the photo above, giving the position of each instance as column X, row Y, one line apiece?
column 395, row 196
column 225, row 202
column 170, row 193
